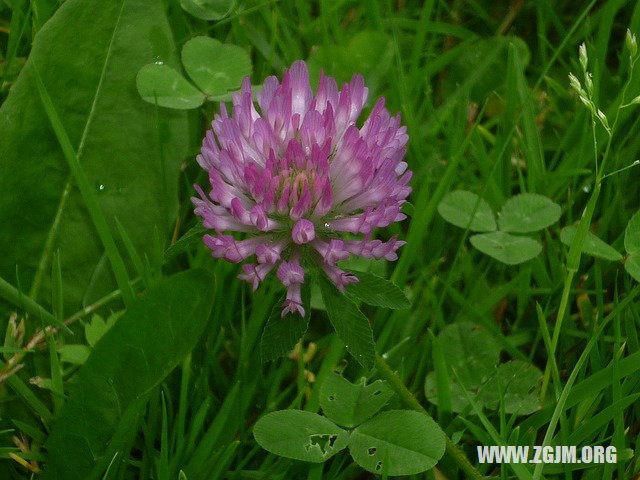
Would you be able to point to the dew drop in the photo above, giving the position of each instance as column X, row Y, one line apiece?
column 586, row 188
column 326, row 225
column 101, row 187
column 159, row 62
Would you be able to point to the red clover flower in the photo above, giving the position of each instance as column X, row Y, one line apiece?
column 301, row 180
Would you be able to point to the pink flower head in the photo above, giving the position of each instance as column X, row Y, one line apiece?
column 295, row 174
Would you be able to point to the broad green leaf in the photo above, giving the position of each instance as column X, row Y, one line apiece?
column 592, row 245
column 215, row 67
column 349, row 323
column 632, row 235
column 110, row 391
column 74, row 353
column 350, row 404
column 164, row 85
column 88, row 55
column 507, row 248
column 208, row 9
column 375, row 290
column 518, row 383
column 281, row 334
column 409, row 442
column 528, row 212
column 457, row 207
column 300, row 435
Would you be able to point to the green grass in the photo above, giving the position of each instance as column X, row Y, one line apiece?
column 483, row 89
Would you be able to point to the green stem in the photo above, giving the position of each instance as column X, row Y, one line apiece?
column 575, row 250
column 410, row 401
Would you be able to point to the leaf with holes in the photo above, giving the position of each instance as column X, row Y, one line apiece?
column 281, row 334
column 349, row 323
column 165, row 85
column 466, row 209
column 300, row 435
column 592, row 245
column 408, row 442
column 507, row 248
column 215, row 67
column 350, row 404
column 208, row 9
column 528, row 212
column 376, row 291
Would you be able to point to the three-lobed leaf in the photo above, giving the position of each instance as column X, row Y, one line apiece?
column 215, row 67
column 164, row 85
column 349, row 404
column 377, row 291
column 397, row 442
column 592, row 245
column 467, row 210
column 300, row 435
column 507, row 248
column 110, row 391
column 528, row 212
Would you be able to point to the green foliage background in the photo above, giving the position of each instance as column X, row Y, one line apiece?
column 94, row 211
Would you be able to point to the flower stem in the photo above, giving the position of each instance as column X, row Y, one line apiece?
column 410, row 401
